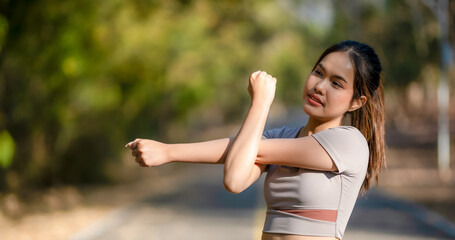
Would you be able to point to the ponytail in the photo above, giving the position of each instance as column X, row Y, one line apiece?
column 370, row 120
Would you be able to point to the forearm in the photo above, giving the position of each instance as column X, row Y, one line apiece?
column 242, row 154
column 213, row 152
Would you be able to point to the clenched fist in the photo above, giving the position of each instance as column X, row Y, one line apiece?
column 149, row 153
column 262, row 88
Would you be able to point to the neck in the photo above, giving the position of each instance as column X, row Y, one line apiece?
column 313, row 126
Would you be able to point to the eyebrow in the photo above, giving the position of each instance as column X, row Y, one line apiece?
column 336, row 76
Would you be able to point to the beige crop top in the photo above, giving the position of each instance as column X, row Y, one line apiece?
column 316, row 203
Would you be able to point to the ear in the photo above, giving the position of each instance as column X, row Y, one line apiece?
column 357, row 103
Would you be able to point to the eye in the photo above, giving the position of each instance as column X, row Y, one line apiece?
column 317, row 72
column 336, row 84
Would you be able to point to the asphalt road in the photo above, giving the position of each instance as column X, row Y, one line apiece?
column 201, row 209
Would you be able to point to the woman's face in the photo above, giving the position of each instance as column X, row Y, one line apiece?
column 329, row 89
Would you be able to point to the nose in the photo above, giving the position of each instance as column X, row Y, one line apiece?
column 319, row 87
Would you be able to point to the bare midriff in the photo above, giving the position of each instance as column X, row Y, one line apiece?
column 275, row 236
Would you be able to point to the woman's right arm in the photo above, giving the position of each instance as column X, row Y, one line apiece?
column 213, row 151
column 150, row 153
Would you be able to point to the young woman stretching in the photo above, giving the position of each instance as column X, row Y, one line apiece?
column 314, row 172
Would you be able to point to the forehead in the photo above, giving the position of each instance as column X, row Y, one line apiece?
column 339, row 63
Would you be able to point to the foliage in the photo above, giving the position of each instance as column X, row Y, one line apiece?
column 78, row 79
column 7, row 148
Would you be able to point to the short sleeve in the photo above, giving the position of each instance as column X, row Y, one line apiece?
column 283, row 132
column 272, row 133
column 347, row 147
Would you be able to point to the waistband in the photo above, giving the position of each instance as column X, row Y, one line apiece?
column 306, row 222
column 318, row 214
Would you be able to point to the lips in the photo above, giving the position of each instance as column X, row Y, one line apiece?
column 314, row 99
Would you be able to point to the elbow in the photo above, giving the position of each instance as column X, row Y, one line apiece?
column 233, row 187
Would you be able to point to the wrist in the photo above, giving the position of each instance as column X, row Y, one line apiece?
column 262, row 105
column 168, row 152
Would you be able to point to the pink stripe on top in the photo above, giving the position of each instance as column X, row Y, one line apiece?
column 318, row 214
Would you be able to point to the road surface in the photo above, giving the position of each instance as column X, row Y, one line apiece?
column 199, row 208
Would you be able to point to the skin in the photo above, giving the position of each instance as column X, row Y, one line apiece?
column 245, row 156
column 332, row 81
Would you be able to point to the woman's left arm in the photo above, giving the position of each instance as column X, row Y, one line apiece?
column 303, row 152
column 240, row 170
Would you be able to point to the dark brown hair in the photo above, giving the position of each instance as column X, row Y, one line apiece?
column 370, row 118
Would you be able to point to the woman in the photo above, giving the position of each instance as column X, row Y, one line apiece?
column 314, row 172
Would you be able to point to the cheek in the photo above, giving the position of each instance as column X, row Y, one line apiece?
column 308, row 83
column 305, row 87
column 342, row 98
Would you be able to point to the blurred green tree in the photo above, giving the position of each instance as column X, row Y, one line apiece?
column 78, row 79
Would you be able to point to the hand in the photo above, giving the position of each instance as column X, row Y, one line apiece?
column 149, row 153
column 262, row 87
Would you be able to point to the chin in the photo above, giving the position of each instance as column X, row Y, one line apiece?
column 307, row 109
column 313, row 113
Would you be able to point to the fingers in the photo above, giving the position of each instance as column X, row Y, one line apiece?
column 265, row 75
column 140, row 161
column 133, row 144
column 255, row 74
column 135, row 152
column 260, row 73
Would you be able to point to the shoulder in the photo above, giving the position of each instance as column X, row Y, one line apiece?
column 345, row 134
column 346, row 146
column 282, row 132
